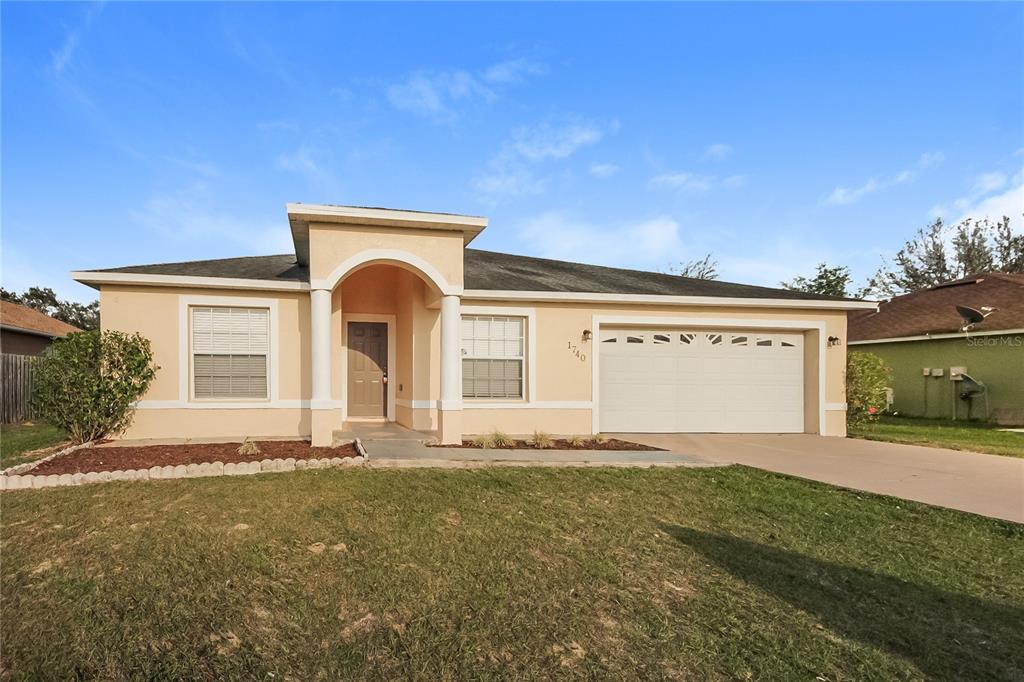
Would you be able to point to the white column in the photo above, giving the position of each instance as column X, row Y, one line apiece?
column 451, row 354
column 320, row 327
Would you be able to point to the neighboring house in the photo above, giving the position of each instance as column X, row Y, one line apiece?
column 385, row 314
column 24, row 331
column 920, row 337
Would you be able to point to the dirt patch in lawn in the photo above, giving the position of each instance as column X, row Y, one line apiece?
column 556, row 444
column 114, row 458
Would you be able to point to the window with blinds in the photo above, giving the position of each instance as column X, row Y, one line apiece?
column 230, row 352
column 492, row 356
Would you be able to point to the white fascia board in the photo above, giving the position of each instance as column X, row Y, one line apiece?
column 651, row 299
column 99, row 278
column 936, row 337
column 355, row 213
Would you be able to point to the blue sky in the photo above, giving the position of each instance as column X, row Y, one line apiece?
column 772, row 135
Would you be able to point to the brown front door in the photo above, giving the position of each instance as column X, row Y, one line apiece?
column 367, row 369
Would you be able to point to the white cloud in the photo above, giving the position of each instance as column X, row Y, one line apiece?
column 436, row 94
column 987, row 183
column 433, row 95
column 506, row 180
column 514, row 71
column 1009, row 203
column 546, row 141
column 511, row 172
column 61, row 57
column 303, row 162
column 190, row 216
column 982, row 200
column 603, row 170
column 718, row 152
column 842, row 196
column 687, row 182
column 556, row 234
column 848, row 195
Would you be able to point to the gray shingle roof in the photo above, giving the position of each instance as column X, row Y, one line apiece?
column 505, row 272
column 494, row 271
column 275, row 268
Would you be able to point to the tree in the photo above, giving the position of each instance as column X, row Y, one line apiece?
column 938, row 254
column 701, row 268
column 827, row 281
column 43, row 299
column 87, row 383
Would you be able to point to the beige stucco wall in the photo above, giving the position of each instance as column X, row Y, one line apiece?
column 156, row 313
column 331, row 245
column 561, row 376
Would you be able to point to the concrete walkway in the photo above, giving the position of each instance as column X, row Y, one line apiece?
column 390, row 445
column 989, row 485
column 405, row 453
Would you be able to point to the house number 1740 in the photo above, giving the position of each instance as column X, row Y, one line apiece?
column 575, row 350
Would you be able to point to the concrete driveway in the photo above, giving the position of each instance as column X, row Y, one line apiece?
column 989, row 485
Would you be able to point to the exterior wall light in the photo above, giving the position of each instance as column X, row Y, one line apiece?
column 834, row 341
column 587, row 335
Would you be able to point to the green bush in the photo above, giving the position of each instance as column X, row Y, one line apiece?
column 88, row 383
column 867, row 377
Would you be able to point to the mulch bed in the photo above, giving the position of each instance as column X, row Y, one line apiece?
column 559, row 444
column 114, row 458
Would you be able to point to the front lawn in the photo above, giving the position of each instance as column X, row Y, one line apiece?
column 944, row 433
column 18, row 439
column 525, row 573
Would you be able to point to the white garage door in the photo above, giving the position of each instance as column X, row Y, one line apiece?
column 701, row 381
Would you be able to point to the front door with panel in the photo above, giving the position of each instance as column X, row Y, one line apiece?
column 367, row 369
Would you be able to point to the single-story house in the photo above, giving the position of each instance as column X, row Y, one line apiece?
column 386, row 314
column 25, row 331
column 930, row 345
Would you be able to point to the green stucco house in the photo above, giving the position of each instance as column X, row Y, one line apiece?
column 930, row 345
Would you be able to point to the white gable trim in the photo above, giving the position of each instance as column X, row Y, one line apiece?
column 936, row 337
column 657, row 299
column 86, row 277
column 385, row 256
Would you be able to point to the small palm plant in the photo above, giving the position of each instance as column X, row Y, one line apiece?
column 249, row 448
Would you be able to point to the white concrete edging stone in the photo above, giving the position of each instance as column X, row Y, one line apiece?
column 28, row 466
column 17, row 482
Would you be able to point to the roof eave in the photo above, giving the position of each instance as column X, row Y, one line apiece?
column 661, row 299
column 97, row 279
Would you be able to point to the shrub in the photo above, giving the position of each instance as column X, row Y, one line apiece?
column 576, row 441
column 501, row 440
column 249, row 448
column 541, row 440
column 867, row 377
column 483, row 441
column 87, row 383
column 600, row 438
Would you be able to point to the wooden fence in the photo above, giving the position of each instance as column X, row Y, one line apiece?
column 16, row 387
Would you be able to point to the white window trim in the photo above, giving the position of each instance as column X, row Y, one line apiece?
column 390, row 321
column 185, row 397
column 529, row 372
column 708, row 322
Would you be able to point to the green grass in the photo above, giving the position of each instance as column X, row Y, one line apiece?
column 943, row 433
column 18, row 439
column 524, row 573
